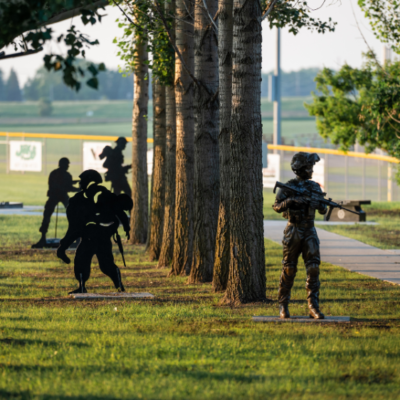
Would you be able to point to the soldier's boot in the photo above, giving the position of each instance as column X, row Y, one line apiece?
column 285, row 285
column 81, row 288
column 118, row 282
column 41, row 243
column 312, row 286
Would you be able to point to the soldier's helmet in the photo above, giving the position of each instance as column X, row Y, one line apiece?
column 301, row 160
column 63, row 162
column 88, row 177
column 121, row 140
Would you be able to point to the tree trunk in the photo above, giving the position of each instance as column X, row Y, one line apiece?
column 140, row 190
column 167, row 248
column 158, row 177
column 222, row 247
column 206, row 154
column 246, row 281
column 183, row 241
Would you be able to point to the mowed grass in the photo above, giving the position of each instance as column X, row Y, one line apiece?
column 27, row 112
column 183, row 344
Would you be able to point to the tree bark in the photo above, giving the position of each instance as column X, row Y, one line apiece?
column 222, row 247
column 140, row 190
column 206, row 154
column 167, row 248
column 183, row 240
column 246, row 281
column 158, row 177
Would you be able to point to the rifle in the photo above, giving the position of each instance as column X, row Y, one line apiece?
column 310, row 194
column 117, row 239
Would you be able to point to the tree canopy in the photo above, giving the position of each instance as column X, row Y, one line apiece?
column 363, row 104
column 24, row 24
column 384, row 18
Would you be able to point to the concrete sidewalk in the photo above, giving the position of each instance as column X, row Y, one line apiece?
column 28, row 211
column 348, row 253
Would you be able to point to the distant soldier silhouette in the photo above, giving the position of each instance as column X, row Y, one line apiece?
column 60, row 183
column 116, row 170
column 94, row 215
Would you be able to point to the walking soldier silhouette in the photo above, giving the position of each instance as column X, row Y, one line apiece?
column 60, row 183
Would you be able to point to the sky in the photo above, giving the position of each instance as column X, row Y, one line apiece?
column 305, row 50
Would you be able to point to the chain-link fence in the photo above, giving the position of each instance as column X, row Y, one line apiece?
column 352, row 178
column 345, row 177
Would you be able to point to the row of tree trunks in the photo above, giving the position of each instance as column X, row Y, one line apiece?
column 246, row 280
column 140, row 191
column 158, row 176
column 183, row 231
column 222, row 247
column 206, row 155
column 167, row 248
column 238, row 251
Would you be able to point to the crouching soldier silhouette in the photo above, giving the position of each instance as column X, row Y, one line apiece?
column 60, row 183
column 94, row 215
column 116, row 171
column 300, row 236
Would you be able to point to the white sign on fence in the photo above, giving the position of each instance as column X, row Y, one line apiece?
column 91, row 152
column 319, row 173
column 150, row 157
column 25, row 156
column 273, row 172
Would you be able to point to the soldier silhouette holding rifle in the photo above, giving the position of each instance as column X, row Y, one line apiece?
column 94, row 215
column 116, row 170
column 60, row 183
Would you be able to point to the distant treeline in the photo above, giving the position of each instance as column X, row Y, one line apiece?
column 114, row 86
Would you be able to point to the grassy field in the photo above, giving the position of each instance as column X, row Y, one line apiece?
column 117, row 108
column 294, row 129
column 183, row 344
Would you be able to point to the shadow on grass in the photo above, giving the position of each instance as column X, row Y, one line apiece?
column 24, row 342
column 26, row 395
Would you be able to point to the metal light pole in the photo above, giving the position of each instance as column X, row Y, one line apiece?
column 277, row 139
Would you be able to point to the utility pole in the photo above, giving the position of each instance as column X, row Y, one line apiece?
column 386, row 54
column 277, row 139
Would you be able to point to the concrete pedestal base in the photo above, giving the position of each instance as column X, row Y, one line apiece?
column 302, row 319
column 111, row 296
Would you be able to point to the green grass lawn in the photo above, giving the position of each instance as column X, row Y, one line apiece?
column 293, row 129
column 183, row 344
column 116, row 108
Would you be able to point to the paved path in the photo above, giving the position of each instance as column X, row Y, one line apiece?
column 348, row 253
column 27, row 211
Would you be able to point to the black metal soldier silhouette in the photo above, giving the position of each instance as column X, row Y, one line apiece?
column 60, row 183
column 94, row 216
column 300, row 236
column 116, row 170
